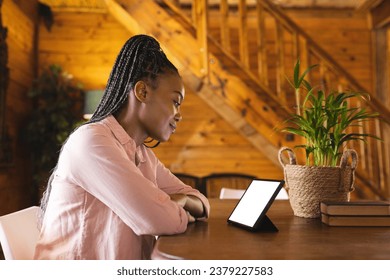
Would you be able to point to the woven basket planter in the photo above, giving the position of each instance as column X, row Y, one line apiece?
column 309, row 185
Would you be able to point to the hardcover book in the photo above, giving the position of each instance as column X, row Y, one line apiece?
column 355, row 220
column 352, row 208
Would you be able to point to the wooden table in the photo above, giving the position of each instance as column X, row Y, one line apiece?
column 297, row 238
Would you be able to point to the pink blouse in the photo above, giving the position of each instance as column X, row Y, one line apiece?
column 109, row 198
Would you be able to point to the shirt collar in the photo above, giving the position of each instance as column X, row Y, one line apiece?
column 120, row 133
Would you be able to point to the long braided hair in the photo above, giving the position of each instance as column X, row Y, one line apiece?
column 141, row 58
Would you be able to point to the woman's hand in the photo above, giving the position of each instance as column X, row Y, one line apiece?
column 191, row 219
column 192, row 205
column 179, row 198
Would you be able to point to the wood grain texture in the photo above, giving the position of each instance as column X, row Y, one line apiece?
column 297, row 239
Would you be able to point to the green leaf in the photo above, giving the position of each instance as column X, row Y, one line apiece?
column 324, row 119
column 296, row 74
column 304, row 73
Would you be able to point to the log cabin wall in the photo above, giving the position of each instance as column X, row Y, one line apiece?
column 78, row 42
column 342, row 33
column 19, row 17
column 380, row 25
column 345, row 35
column 86, row 44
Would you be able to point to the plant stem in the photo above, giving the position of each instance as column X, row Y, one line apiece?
column 298, row 100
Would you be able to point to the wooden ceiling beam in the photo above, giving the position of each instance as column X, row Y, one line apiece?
column 380, row 15
column 365, row 6
column 123, row 17
column 98, row 6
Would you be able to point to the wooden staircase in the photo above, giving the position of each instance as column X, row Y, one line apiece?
column 246, row 83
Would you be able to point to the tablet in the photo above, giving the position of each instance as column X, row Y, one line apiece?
column 250, row 211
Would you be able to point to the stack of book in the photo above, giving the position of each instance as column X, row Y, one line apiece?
column 355, row 213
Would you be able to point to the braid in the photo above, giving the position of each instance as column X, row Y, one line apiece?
column 140, row 58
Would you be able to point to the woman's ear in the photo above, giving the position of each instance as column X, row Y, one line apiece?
column 140, row 91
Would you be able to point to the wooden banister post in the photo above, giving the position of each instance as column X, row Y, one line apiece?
column 225, row 28
column 243, row 33
column 280, row 68
column 261, row 50
column 200, row 13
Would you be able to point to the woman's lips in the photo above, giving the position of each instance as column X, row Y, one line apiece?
column 173, row 127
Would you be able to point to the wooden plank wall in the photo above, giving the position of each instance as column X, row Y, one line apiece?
column 343, row 34
column 85, row 45
column 15, row 180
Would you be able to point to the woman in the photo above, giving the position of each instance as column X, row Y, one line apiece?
column 109, row 196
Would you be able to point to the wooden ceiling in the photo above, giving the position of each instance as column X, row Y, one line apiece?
column 301, row 3
column 354, row 4
column 77, row 5
column 99, row 5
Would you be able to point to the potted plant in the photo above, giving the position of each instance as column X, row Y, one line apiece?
column 58, row 109
column 323, row 120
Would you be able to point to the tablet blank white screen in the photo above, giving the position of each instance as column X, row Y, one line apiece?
column 253, row 202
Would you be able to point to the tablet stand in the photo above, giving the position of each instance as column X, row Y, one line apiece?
column 265, row 224
column 254, row 203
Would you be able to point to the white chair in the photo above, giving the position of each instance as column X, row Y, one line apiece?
column 19, row 234
column 227, row 193
column 282, row 195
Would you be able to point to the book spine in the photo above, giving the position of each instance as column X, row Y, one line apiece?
column 355, row 220
column 353, row 210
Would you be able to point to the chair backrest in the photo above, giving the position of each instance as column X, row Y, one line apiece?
column 19, row 234
column 227, row 193
column 191, row 180
column 215, row 182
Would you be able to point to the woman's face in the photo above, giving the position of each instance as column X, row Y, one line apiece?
column 161, row 112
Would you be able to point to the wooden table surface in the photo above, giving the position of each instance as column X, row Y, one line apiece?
column 297, row 238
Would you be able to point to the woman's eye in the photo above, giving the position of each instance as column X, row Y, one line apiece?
column 177, row 104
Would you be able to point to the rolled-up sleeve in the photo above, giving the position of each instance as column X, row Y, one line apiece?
column 100, row 165
column 170, row 184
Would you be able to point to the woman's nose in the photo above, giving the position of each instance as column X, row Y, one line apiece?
column 178, row 117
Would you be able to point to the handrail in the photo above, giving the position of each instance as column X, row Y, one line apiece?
column 375, row 165
column 289, row 24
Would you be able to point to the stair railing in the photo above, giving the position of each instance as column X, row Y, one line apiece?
column 269, row 43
